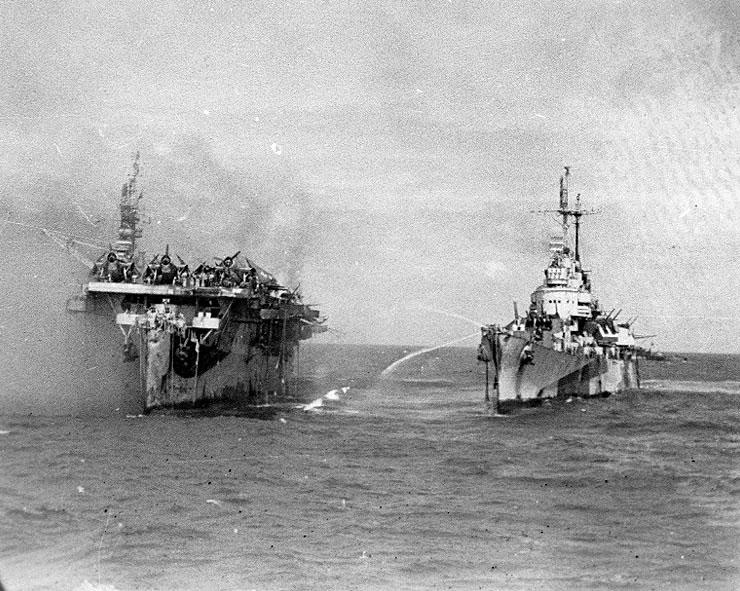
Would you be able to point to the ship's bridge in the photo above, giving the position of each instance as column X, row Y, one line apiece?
column 563, row 293
column 563, row 270
column 561, row 301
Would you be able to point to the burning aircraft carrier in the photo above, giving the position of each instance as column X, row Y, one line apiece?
column 226, row 331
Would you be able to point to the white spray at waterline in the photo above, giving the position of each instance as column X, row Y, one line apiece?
column 319, row 402
column 331, row 395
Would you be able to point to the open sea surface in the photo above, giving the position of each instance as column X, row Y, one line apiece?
column 406, row 482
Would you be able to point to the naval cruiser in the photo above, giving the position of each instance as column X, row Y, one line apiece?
column 565, row 344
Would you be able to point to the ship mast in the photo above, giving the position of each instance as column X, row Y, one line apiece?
column 577, row 216
column 563, row 210
column 127, row 231
column 566, row 212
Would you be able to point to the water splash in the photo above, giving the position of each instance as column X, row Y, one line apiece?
column 331, row 395
column 318, row 403
column 388, row 370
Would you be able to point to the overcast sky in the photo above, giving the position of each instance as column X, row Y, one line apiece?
column 387, row 154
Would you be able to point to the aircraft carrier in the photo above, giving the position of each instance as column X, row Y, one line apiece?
column 226, row 331
column 565, row 344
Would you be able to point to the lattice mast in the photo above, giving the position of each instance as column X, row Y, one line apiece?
column 128, row 231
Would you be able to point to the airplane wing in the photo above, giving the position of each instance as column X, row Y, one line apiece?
column 262, row 275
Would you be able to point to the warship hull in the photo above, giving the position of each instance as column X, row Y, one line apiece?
column 247, row 375
column 565, row 344
column 528, row 375
column 194, row 347
column 226, row 331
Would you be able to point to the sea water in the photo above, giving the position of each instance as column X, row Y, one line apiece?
column 405, row 481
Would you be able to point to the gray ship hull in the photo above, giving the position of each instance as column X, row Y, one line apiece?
column 195, row 346
column 247, row 375
column 222, row 331
column 565, row 344
column 540, row 372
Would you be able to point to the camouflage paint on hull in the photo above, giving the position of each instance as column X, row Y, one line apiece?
column 218, row 331
column 565, row 344
column 547, row 373
column 248, row 374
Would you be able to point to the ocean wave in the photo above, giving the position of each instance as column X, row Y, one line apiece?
column 725, row 387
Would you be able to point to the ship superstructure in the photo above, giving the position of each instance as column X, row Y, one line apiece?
column 218, row 331
column 565, row 345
